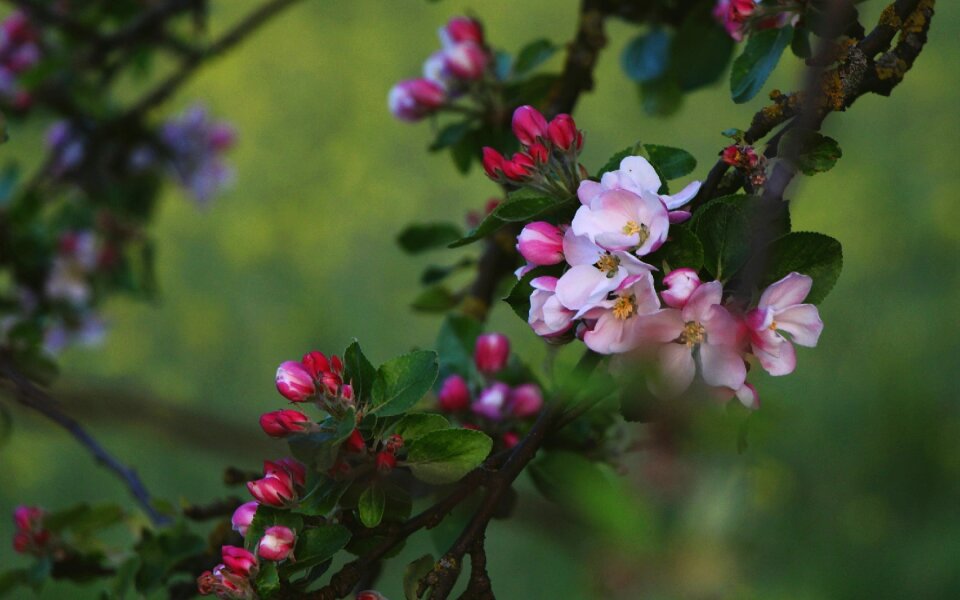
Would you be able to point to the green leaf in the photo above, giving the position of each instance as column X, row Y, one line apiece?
column 817, row 153
column 358, row 371
column 318, row 544
column 268, row 580
column 613, row 163
column 760, row 57
column 814, row 254
column 446, row 455
column 83, row 519
column 450, row 135
column 324, row 497
column 682, row 249
column 436, row 298
column 661, row 97
column 402, row 382
column 421, row 237
column 371, row 505
column 700, row 52
column 161, row 551
column 455, row 343
column 413, row 573
column 672, row 163
column 646, row 56
column 488, row 225
column 12, row 579
column 519, row 296
column 435, row 274
column 529, row 91
column 319, row 449
column 722, row 228
column 8, row 181
column 524, row 209
column 533, row 55
column 413, row 426
column 464, row 152
column 266, row 517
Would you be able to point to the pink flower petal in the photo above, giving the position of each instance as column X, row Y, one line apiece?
column 802, row 322
column 776, row 359
column 700, row 301
column 682, row 197
column 722, row 366
column 790, row 290
column 677, row 370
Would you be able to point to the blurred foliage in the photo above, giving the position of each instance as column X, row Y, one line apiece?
column 850, row 480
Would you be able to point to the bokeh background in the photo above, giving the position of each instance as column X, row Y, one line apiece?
column 850, row 484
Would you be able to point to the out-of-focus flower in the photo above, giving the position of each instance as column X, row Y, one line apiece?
column 196, row 145
column 491, row 352
column 461, row 29
column 414, row 99
column 454, row 394
column 525, row 400
column 492, row 402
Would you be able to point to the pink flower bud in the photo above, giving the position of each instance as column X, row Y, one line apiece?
column 294, row 382
column 492, row 162
column 294, row 468
column 529, row 125
column 21, row 542
column 277, row 543
column 466, row 60
column 519, row 167
column 539, row 153
column 414, row 99
column 315, row 363
column 346, row 391
column 491, row 352
column 510, row 439
column 355, row 442
column 281, row 423
column 461, row 29
column 562, row 131
column 243, row 516
column 492, row 402
column 393, row 444
column 541, row 243
column 27, row 518
column 331, row 383
column 239, row 560
column 336, row 364
column 454, row 394
column 525, row 400
column 681, row 284
column 385, row 461
column 273, row 490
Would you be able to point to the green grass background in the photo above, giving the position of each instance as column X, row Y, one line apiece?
column 850, row 487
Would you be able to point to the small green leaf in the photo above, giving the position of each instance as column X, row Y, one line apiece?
column 817, row 153
column 446, row 455
column 661, row 97
column 266, row 517
column 814, row 254
column 371, row 505
column 358, row 371
column 402, row 382
column 435, row 274
column 722, row 228
column 436, row 298
column 488, row 225
column 455, row 343
column 682, row 249
column 519, row 296
column 413, row 573
column 646, row 56
column 760, row 57
column 533, row 55
column 324, row 497
column 318, row 544
column 524, row 209
column 672, row 163
column 700, row 52
column 268, row 580
column 319, row 449
column 450, row 135
column 421, row 237
column 413, row 426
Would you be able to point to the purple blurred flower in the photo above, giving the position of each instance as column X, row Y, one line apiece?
column 196, row 144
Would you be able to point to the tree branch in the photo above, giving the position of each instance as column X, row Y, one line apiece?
column 33, row 397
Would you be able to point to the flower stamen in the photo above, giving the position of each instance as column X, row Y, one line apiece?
column 624, row 307
column 693, row 333
column 608, row 264
column 639, row 229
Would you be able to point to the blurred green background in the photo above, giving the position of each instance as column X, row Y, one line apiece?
column 850, row 485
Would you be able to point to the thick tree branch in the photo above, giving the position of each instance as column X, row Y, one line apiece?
column 33, row 397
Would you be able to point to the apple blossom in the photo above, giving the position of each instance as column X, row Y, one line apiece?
column 277, row 543
column 196, row 145
column 529, row 125
column 541, row 243
column 281, row 423
column 623, row 220
column 461, row 29
column 563, row 133
column 680, row 284
column 623, row 321
column 454, row 395
column 491, row 352
column 465, row 60
column 414, row 99
column 780, row 309
column 637, row 175
column 492, row 402
column 294, row 382
column 385, row 461
column 493, row 163
column 548, row 316
column 238, row 560
column 355, row 442
column 525, row 400
column 243, row 516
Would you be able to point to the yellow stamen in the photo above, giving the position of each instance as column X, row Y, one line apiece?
column 608, row 264
column 641, row 230
column 773, row 326
column 693, row 334
column 624, row 307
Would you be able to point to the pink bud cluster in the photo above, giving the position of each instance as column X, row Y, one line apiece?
column 19, row 52
column 548, row 160
column 739, row 17
column 447, row 73
column 195, row 145
column 494, row 405
column 281, row 484
column 30, row 536
column 317, row 378
column 231, row 579
column 746, row 159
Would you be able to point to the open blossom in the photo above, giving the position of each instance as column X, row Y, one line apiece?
column 637, row 175
column 701, row 331
column 594, row 272
column 780, row 309
column 243, row 516
column 548, row 316
column 196, row 145
column 622, row 220
column 277, row 543
column 622, row 321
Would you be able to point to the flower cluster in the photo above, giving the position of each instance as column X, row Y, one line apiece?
column 746, row 159
column 447, row 74
column 492, row 406
column 30, row 536
column 233, row 578
column 281, row 485
column 548, row 161
column 19, row 51
column 606, row 294
column 196, row 145
column 315, row 378
column 739, row 17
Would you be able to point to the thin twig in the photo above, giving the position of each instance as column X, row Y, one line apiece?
column 33, row 397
